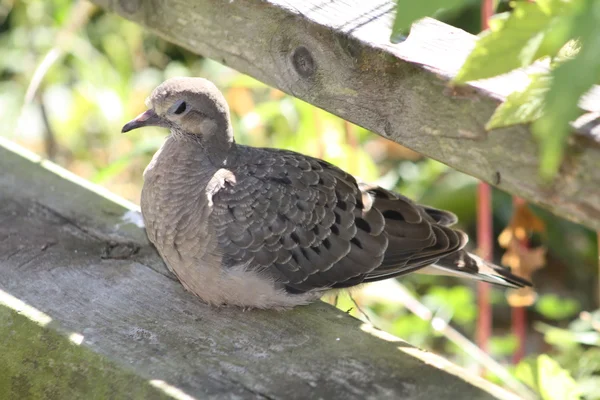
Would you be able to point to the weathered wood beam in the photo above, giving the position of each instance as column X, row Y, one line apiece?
column 336, row 55
column 116, row 324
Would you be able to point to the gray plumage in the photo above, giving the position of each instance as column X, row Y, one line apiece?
column 269, row 228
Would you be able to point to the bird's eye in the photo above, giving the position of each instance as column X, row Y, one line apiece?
column 181, row 108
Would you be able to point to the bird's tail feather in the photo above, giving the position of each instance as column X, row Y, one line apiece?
column 470, row 266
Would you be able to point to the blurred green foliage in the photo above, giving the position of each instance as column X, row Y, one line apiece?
column 408, row 11
column 576, row 359
column 555, row 308
column 567, row 32
column 96, row 71
column 549, row 379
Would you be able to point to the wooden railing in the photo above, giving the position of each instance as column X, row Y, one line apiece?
column 88, row 310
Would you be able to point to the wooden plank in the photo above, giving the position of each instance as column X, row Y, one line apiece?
column 39, row 363
column 70, row 262
column 336, row 55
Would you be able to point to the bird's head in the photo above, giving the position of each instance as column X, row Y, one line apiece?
column 191, row 106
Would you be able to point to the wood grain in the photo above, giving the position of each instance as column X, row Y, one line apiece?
column 336, row 55
column 67, row 254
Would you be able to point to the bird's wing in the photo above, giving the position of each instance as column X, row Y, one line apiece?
column 309, row 225
column 445, row 254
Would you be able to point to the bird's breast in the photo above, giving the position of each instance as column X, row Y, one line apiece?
column 175, row 205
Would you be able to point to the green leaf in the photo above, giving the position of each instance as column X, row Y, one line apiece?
column 589, row 386
column 548, row 378
column 514, row 43
column 408, row 11
column 567, row 338
column 503, row 345
column 553, row 307
column 457, row 300
column 586, row 324
column 555, row 36
column 571, row 79
column 522, row 107
column 497, row 21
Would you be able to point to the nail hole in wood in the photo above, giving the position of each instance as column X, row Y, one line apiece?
column 497, row 178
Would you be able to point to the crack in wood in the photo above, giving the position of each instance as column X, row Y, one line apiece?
column 24, row 264
column 70, row 221
column 14, row 253
column 225, row 379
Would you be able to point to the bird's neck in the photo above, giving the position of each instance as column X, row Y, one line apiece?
column 216, row 148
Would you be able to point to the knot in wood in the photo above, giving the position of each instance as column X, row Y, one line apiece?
column 303, row 62
column 130, row 6
column 387, row 129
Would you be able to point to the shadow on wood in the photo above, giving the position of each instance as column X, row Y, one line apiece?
column 116, row 323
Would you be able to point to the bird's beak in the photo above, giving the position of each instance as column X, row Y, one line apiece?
column 147, row 118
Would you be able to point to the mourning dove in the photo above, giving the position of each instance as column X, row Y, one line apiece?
column 269, row 228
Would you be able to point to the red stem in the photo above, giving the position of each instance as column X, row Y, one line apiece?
column 598, row 250
column 485, row 234
column 487, row 10
column 485, row 237
column 519, row 314
column 519, row 328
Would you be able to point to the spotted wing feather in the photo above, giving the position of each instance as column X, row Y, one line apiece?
column 309, row 225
